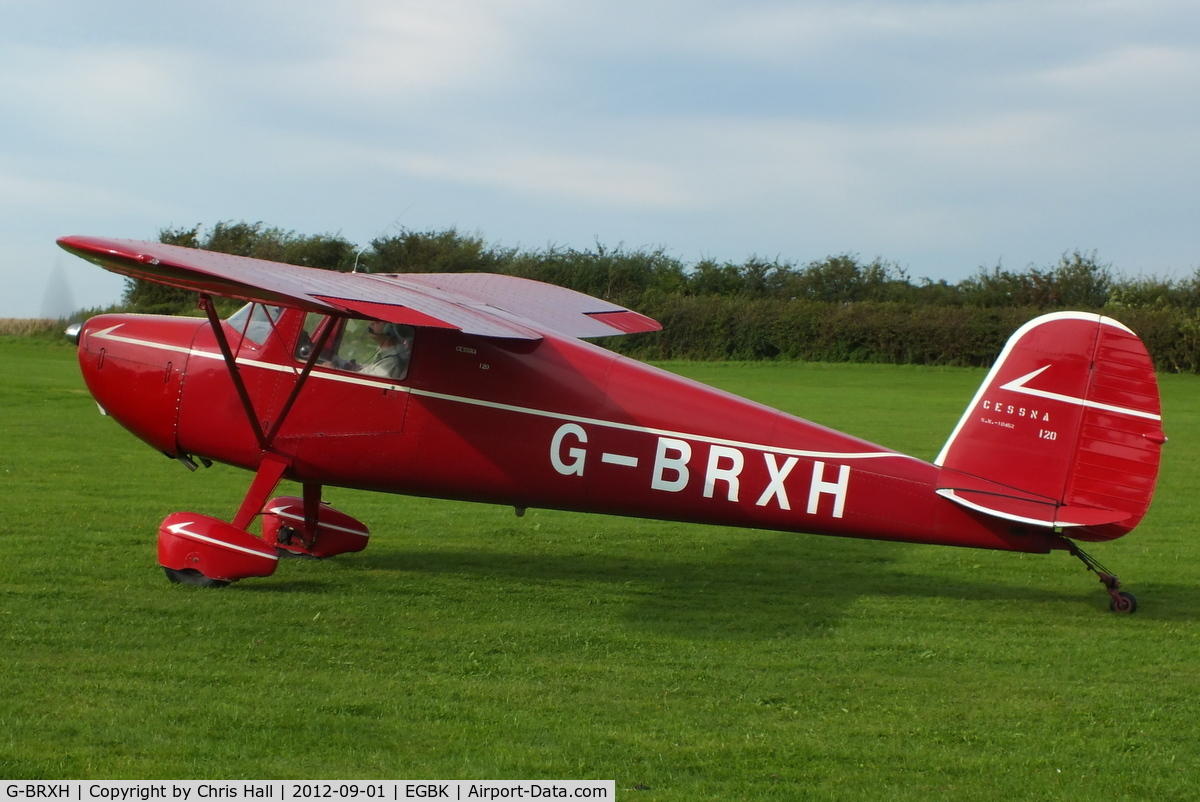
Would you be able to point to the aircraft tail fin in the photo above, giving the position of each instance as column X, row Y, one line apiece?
column 1065, row 431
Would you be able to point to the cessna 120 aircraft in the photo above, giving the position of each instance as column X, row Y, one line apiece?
column 482, row 387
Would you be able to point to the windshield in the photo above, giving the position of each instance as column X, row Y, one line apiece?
column 254, row 321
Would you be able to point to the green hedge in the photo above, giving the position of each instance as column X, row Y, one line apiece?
column 838, row 309
column 750, row 329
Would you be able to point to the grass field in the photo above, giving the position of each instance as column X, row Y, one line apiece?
column 685, row 662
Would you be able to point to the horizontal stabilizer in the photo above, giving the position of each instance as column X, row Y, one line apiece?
column 1000, row 501
column 484, row 304
column 1034, row 513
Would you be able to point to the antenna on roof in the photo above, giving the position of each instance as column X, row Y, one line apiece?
column 357, row 254
column 360, row 251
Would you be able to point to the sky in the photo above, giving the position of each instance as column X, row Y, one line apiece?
column 940, row 136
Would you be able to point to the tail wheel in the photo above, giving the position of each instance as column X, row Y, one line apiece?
column 1123, row 602
column 1120, row 602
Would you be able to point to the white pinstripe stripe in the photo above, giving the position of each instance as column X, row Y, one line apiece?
column 538, row 413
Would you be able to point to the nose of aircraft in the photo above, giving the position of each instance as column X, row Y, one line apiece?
column 133, row 366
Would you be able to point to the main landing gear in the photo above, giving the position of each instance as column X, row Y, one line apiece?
column 285, row 526
column 1122, row 601
column 196, row 549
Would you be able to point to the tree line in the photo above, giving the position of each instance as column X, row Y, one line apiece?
column 840, row 308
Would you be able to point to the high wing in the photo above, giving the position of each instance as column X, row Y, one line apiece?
column 484, row 304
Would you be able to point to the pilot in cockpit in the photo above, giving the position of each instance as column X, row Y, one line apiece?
column 393, row 350
column 370, row 347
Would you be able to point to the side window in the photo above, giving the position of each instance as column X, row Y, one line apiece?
column 369, row 347
column 308, row 335
column 255, row 321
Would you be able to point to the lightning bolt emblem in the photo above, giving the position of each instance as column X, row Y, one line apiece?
column 1020, row 385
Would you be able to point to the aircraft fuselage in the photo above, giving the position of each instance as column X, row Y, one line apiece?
column 555, row 423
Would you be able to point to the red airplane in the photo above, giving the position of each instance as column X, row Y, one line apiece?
column 479, row 387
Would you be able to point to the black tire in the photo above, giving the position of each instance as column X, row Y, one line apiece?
column 190, row 576
column 1128, row 603
column 288, row 554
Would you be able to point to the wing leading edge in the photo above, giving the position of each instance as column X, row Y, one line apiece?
column 484, row 304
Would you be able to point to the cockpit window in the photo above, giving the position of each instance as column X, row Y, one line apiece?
column 254, row 321
column 369, row 347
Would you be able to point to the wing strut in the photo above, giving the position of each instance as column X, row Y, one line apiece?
column 273, row 466
column 309, row 364
column 264, row 439
column 206, row 303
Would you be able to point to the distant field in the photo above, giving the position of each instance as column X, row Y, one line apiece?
column 685, row 662
column 29, row 327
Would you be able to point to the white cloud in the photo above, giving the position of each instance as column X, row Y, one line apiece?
column 557, row 175
column 1130, row 69
column 101, row 93
column 62, row 198
column 390, row 52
